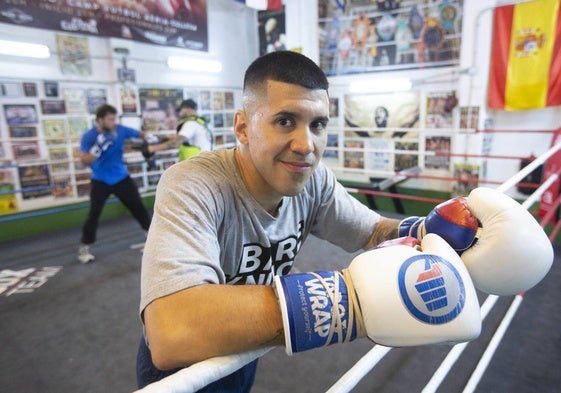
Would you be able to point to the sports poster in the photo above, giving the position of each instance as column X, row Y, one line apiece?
column 469, row 117
column 17, row 114
column 158, row 108
column 439, row 111
column 62, row 187
column 181, row 24
column 466, row 179
column 128, row 99
column 75, row 100
column 77, row 125
column 23, row 132
column 35, row 181
column 8, row 201
column 95, row 98
column 73, row 55
column 353, row 157
column 59, row 159
column 405, row 161
column 54, row 131
column 440, row 146
column 369, row 114
column 26, row 151
column 366, row 36
column 272, row 31
column 378, row 156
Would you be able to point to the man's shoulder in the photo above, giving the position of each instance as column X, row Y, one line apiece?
column 208, row 167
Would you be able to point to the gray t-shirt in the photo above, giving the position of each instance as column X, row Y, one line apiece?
column 207, row 228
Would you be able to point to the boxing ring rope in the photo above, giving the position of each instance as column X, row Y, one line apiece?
column 199, row 375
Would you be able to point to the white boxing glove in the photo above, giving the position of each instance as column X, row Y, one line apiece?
column 396, row 295
column 511, row 253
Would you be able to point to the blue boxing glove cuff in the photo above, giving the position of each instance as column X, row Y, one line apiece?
column 317, row 310
column 412, row 226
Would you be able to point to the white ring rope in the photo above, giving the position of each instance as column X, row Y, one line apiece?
column 199, row 375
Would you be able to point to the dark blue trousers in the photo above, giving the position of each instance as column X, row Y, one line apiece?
column 238, row 382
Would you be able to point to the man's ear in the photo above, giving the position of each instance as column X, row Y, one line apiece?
column 240, row 126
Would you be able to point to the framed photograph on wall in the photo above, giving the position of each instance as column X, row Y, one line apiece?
column 23, row 132
column 35, row 181
column 51, row 88
column 17, row 114
column 95, row 98
column 9, row 89
column 26, row 151
column 53, row 107
column 30, row 89
column 54, row 131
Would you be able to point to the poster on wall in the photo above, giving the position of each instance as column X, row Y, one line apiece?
column 272, row 31
column 17, row 114
column 439, row 146
column 53, row 107
column 73, row 55
column 378, row 157
column 8, row 201
column 439, row 111
column 158, row 108
column 75, row 100
column 95, row 98
column 62, row 187
column 369, row 114
column 35, row 181
column 467, row 179
column 353, row 157
column 30, row 89
column 77, row 125
column 369, row 36
column 171, row 23
column 406, row 161
column 128, row 99
column 54, row 131
column 23, row 132
column 9, row 89
column 25, row 151
column 469, row 117
column 59, row 159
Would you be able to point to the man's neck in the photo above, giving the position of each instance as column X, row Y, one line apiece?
column 270, row 203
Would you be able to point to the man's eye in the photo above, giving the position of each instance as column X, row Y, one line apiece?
column 318, row 125
column 286, row 122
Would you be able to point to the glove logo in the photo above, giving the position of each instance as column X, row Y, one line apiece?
column 431, row 289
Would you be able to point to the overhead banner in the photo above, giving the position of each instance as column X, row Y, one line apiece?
column 525, row 71
column 169, row 22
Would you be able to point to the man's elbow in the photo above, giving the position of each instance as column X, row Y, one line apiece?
column 172, row 348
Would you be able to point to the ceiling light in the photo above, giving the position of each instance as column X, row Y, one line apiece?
column 194, row 64
column 380, row 85
column 24, row 49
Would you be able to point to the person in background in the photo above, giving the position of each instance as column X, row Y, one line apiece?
column 193, row 131
column 101, row 147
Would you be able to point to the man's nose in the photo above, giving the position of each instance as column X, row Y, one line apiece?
column 303, row 141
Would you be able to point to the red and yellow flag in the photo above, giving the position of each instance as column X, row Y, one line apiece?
column 526, row 56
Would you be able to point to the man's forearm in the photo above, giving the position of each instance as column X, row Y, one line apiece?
column 386, row 229
column 211, row 320
column 87, row 158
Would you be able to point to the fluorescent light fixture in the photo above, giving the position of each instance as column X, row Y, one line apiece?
column 194, row 64
column 380, row 85
column 24, row 49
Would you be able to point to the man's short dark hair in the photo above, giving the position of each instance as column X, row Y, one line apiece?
column 288, row 67
column 189, row 103
column 105, row 110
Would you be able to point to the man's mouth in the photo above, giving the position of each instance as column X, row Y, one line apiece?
column 297, row 166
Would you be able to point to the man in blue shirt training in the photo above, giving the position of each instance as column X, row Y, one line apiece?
column 102, row 147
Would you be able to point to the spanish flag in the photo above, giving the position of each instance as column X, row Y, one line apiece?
column 525, row 68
